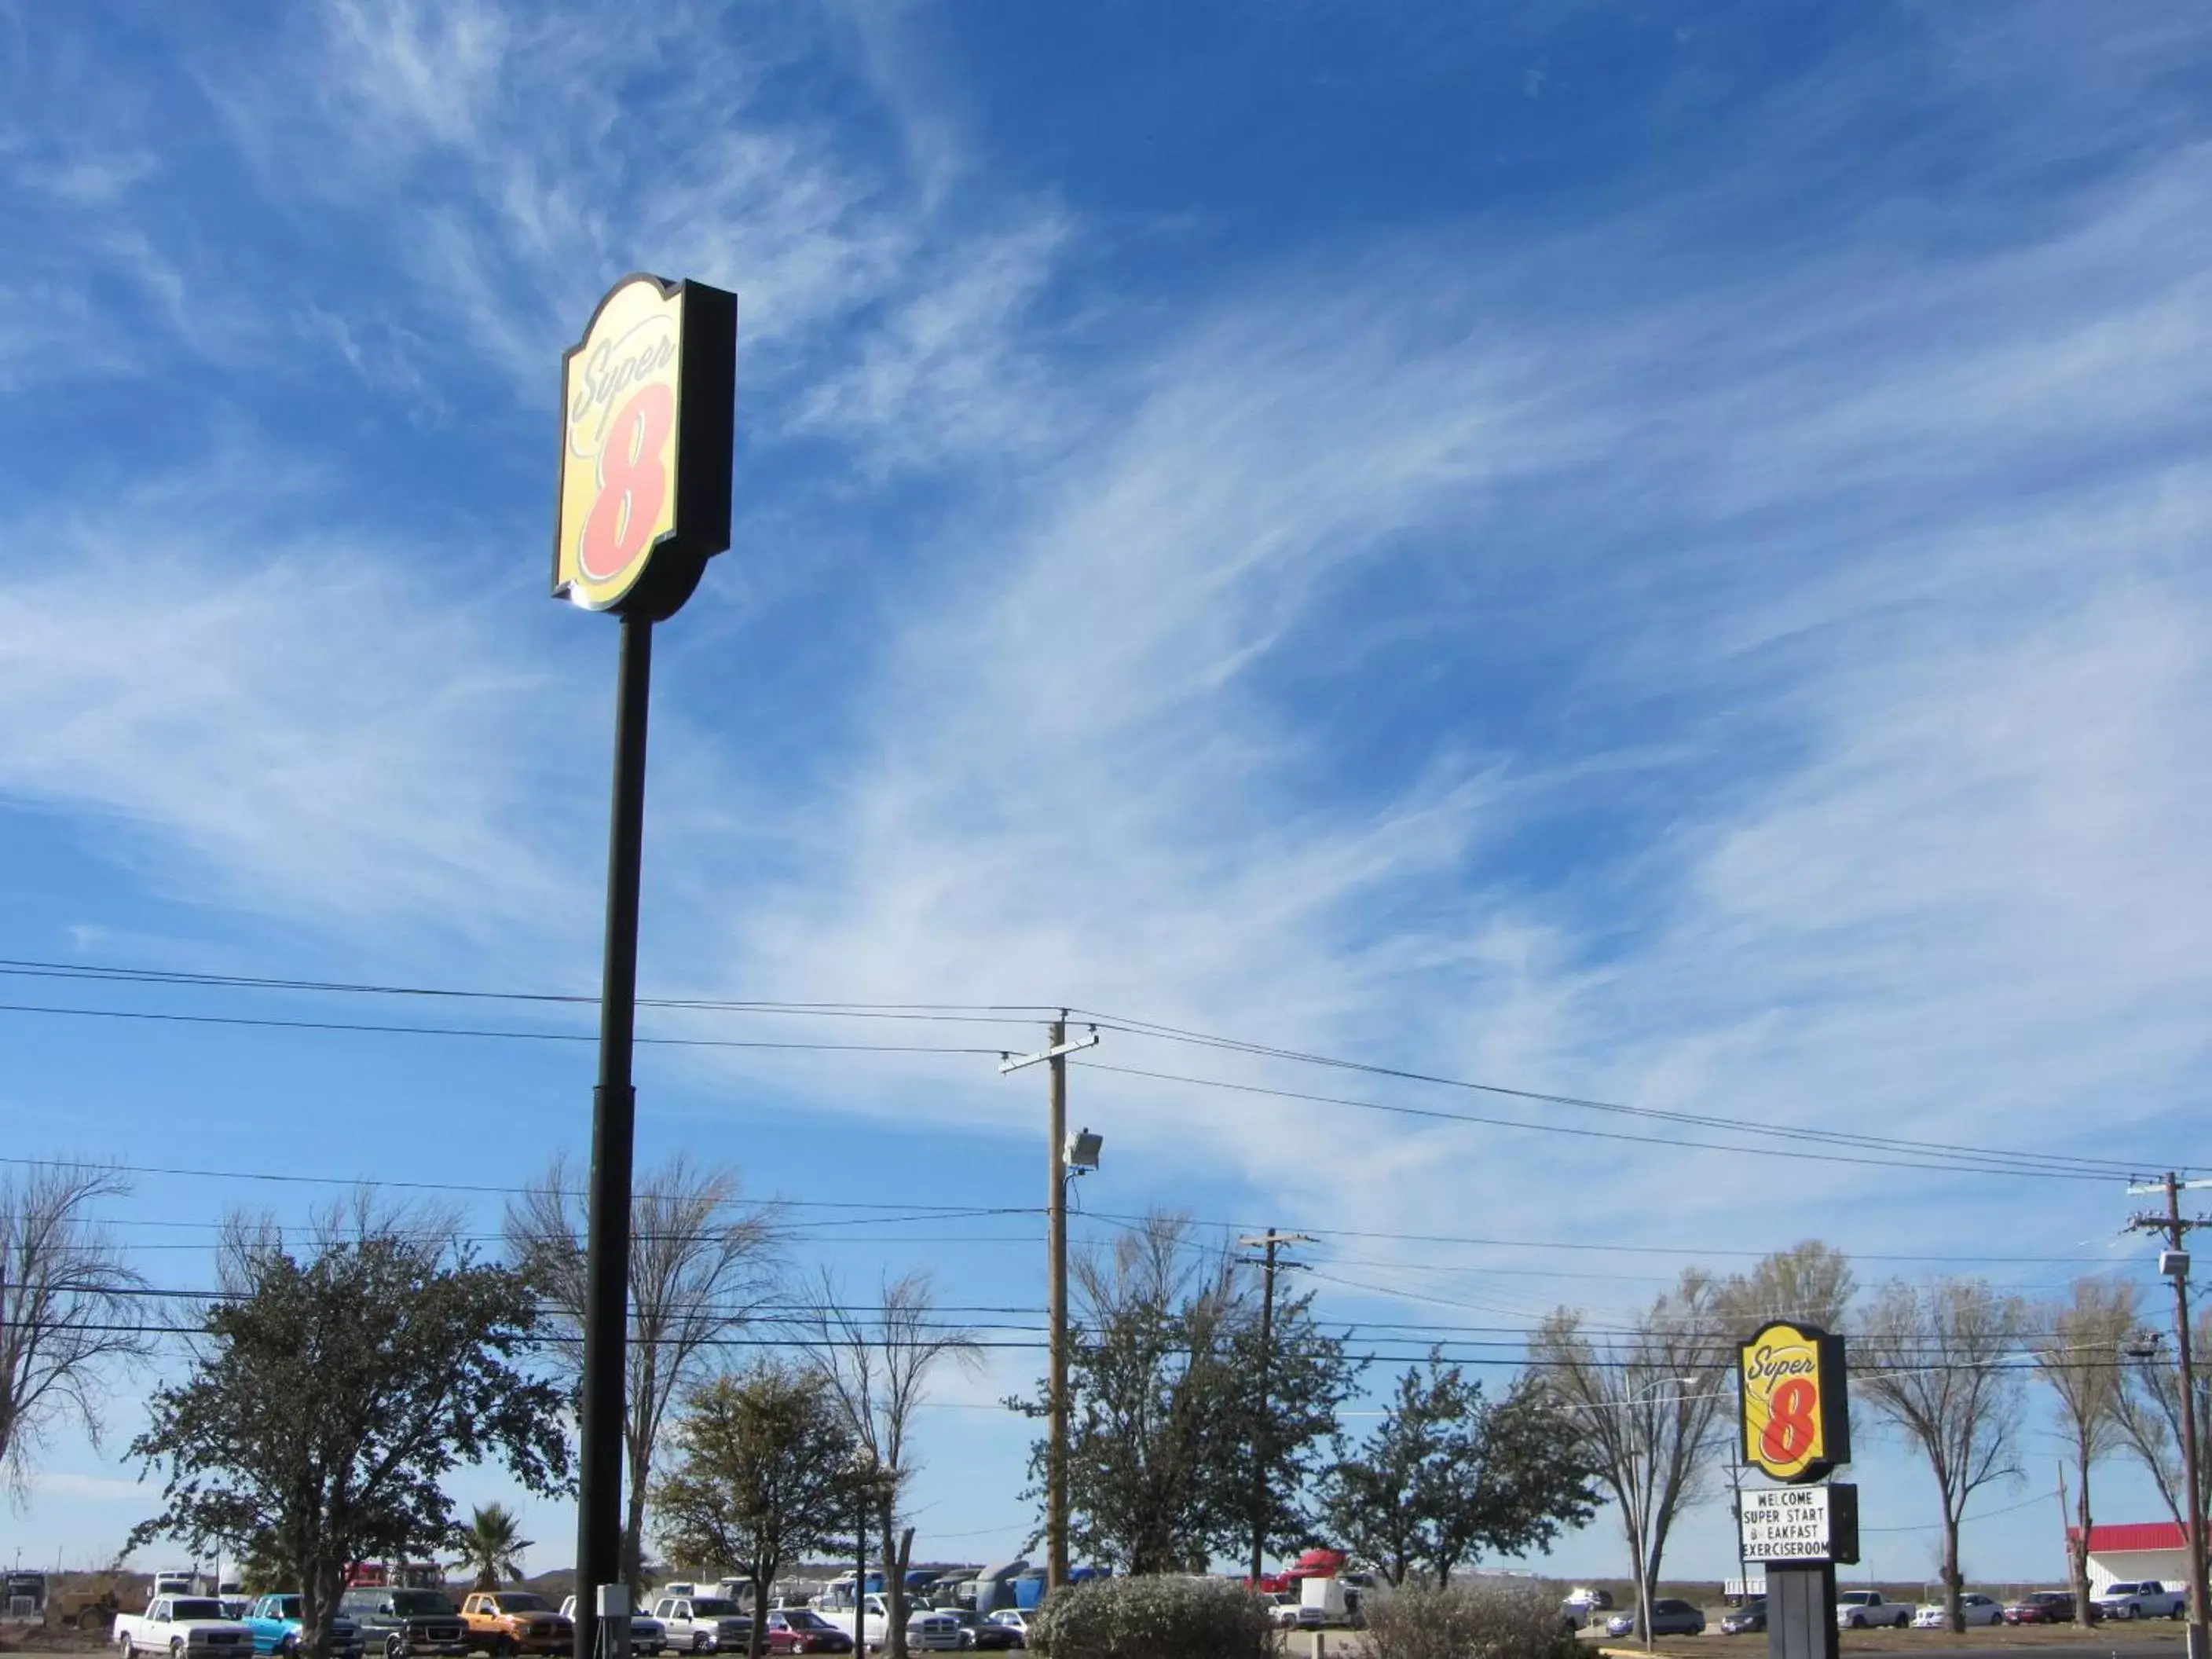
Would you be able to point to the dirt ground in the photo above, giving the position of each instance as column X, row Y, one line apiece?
column 36, row 1639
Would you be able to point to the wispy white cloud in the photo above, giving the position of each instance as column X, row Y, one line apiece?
column 301, row 732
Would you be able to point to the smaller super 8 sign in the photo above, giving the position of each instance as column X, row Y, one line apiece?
column 646, row 423
column 1800, row 1523
column 1795, row 1410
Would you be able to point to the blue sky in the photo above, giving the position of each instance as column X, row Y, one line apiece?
column 1653, row 553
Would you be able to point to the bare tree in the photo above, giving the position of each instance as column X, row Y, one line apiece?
column 69, row 1311
column 1648, row 1401
column 1939, row 1362
column 876, row 1363
column 2078, row 1351
column 1808, row 1283
column 2146, row 1411
column 702, row 1265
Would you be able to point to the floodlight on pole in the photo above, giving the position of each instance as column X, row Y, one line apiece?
column 1081, row 1156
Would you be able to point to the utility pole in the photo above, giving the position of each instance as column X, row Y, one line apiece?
column 1055, row 1479
column 1262, row 1462
column 2173, row 1263
column 1055, row 1052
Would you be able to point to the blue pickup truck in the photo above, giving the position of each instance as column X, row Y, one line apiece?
column 276, row 1622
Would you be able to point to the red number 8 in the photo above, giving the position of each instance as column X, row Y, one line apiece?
column 1791, row 1423
column 633, row 484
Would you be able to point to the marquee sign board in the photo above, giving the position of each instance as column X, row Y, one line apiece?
column 1797, row 1421
column 648, row 417
column 1801, row 1524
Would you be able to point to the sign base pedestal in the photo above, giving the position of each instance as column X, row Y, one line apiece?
column 1801, row 1610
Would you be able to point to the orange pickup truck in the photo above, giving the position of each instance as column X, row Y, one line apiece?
column 505, row 1622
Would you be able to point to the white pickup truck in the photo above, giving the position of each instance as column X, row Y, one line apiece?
column 181, row 1627
column 926, row 1630
column 2142, row 1598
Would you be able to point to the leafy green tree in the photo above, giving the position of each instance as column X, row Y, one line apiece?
column 1165, row 1420
column 491, row 1544
column 332, row 1390
column 1449, row 1476
column 764, row 1473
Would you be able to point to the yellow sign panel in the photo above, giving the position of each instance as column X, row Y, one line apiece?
column 620, row 397
column 1794, row 1421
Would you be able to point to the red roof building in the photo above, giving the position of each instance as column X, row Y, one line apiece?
column 2135, row 1549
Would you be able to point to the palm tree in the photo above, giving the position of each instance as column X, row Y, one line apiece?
column 491, row 1544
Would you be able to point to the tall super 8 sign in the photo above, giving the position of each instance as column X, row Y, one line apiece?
column 646, row 423
column 1797, row 1405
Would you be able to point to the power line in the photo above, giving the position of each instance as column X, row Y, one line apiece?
column 1979, row 1158
column 979, row 1012
column 477, row 1031
column 1989, row 1165
column 1178, row 1034
column 1119, row 1219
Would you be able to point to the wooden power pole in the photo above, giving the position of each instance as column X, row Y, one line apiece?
column 1263, row 1462
column 1054, row 1055
column 2173, row 1263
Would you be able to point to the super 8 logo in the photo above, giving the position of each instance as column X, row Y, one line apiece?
column 1794, row 1422
column 620, row 405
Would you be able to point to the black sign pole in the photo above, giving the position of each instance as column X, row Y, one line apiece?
column 614, row 1117
column 1801, row 1610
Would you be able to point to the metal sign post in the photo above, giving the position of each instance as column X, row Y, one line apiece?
column 648, row 420
column 1795, row 1427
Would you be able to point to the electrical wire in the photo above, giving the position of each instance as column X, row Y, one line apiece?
column 1178, row 1034
column 1978, row 1158
column 978, row 1013
column 1583, row 1132
column 478, row 1031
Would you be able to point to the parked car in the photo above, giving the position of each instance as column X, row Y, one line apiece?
column 1289, row 1613
column 1747, row 1620
column 704, row 1623
column 982, row 1634
column 1865, row 1609
column 181, row 1627
column 2142, row 1598
column 406, row 1624
column 1669, row 1617
column 802, row 1630
column 505, row 1622
column 647, row 1635
column 1014, row 1618
column 2045, row 1607
column 928, row 1629
column 1974, row 1608
column 275, row 1622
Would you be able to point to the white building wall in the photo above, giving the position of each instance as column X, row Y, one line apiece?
column 2169, row 1567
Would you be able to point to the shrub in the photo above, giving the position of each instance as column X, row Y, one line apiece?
column 1485, row 1619
column 1154, row 1619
